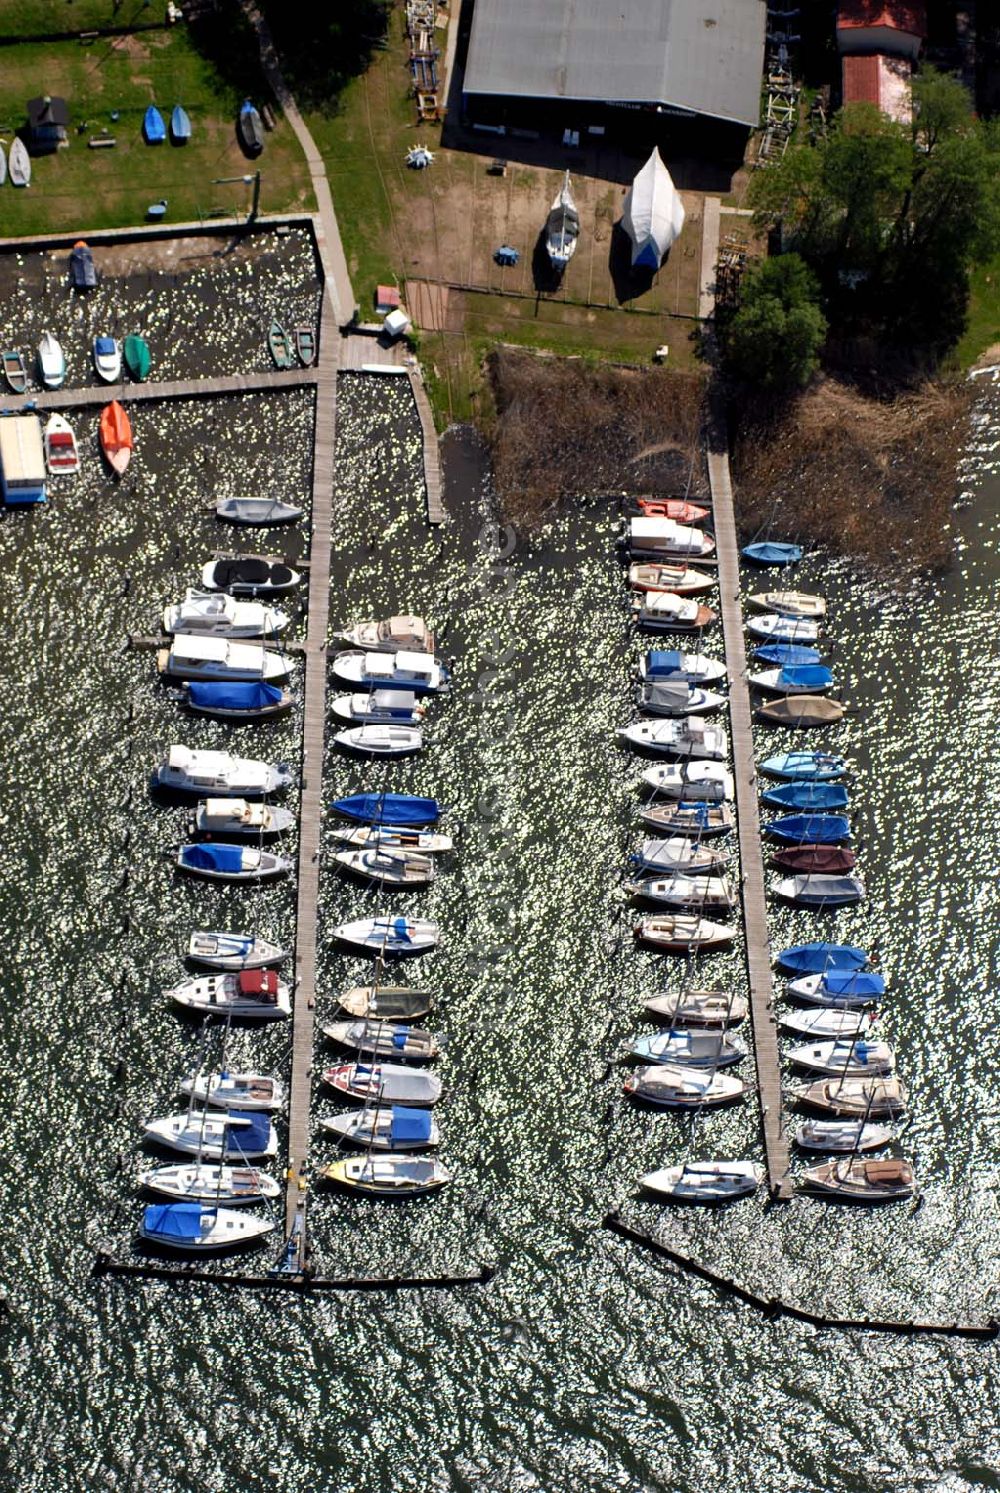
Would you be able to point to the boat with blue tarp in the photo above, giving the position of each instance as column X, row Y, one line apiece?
column 769, row 552
column 818, row 958
column 810, row 829
column 250, row 700
column 218, row 861
column 794, row 679
column 193, row 1227
column 784, row 654
column 817, row 766
column 389, row 808
column 838, row 987
column 805, row 795
column 385, row 1127
column 221, row 1135
column 670, row 663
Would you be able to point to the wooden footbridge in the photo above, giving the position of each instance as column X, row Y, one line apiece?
column 184, row 388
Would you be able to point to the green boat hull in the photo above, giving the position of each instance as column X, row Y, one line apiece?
column 137, row 359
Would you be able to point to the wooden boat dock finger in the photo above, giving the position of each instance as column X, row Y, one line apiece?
column 184, row 388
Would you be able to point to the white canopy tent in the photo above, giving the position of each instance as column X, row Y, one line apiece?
column 654, row 214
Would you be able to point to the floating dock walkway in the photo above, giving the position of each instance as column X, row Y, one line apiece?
column 758, row 951
column 183, row 388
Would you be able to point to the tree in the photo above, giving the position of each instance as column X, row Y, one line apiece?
column 775, row 336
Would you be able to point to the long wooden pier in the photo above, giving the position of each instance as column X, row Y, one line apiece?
column 758, row 951
column 183, row 388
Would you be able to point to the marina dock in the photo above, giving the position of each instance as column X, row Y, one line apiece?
column 758, row 951
column 183, row 388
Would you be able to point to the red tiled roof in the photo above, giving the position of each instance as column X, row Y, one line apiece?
column 901, row 15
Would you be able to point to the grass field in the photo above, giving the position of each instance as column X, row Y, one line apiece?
column 83, row 188
column 53, row 17
column 983, row 324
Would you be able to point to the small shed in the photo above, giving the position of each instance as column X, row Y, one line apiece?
column 894, row 27
column 22, row 460
column 386, row 299
column 397, row 323
column 48, row 124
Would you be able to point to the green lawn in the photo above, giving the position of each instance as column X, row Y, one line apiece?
column 79, row 188
column 49, row 17
column 983, row 325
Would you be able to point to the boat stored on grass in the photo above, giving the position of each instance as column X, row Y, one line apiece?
column 215, row 614
column 385, row 1127
column 108, row 358
column 19, row 163
column 237, row 817
column 241, row 701
column 385, row 1083
column 675, row 698
column 419, row 673
column 391, row 635
column 389, row 808
column 705, row 1182
column 257, row 513
column 233, row 951
column 385, row 1039
column 250, row 129
column 659, row 665
column 862, row 1180
column 689, row 1049
column 197, row 1229
column 676, row 578
column 219, row 774
column 221, row 1135
column 51, row 361
column 562, row 228
column 696, row 1008
column 217, row 861
column 670, row 1086
column 153, row 129
column 389, row 936
column 682, row 933
column 250, row 575
column 255, row 994
column 390, row 868
column 115, row 434
column 387, row 1176
column 226, row 1090
column 202, row 1182
column 180, row 125
column 802, row 711
column 220, row 660
column 61, row 455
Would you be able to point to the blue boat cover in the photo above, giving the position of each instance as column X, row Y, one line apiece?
column 770, row 553
column 389, row 808
column 788, row 653
column 399, row 1038
column 817, row 958
column 811, row 829
column 104, row 346
column 249, row 1139
column 152, row 124
column 807, row 796
column 807, row 676
column 253, row 696
column 411, row 1126
column 853, row 982
column 214, row 857
column 400, row 929
column 662, row 661
column 173, row 1220
column 699, row 812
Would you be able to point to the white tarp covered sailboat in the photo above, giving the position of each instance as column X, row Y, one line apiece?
column 653, row 215
column 562, row 228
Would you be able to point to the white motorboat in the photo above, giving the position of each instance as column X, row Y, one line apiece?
column 385, row 1039
column 854, row 1057
column 192, row 657
column 385, row 1083
column 385, row 1128
column 690, row 737
column 225, row 1090
column 698, row 1048
column 420, row 673
column 215, row 614
column 790, row 604
column 384, row 837
column 389, row 936
column 409, row 634
column 257, row 513
column 683, row 933
column 389, row 867
column 696, row 1008
column 219, row 775
column 825, row 1023
column 862, row 1180
column 817, row 890
column 694, row 782
column 249, row 575
column 61, row 455
column 876, row 1098
column 676, row 578
column 398, row 707
column 672, row 1087
column 108, row 359
column 667, row 665
column 381, row 740
column 678, row 855
column 252, row 993
column 654, row 538
column 776, row 628
column 562, row 228
column 51, row 361
column 195, row 1182
column 705, row 1182
column 196, row 1228
column 221, row 1135
column 665, row 611
column 842, row 1135
column 232, row 951
column 233, row 817
column 708, row 893
column 677, row 698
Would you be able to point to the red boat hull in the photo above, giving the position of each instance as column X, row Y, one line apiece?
column 806, row 858
column 676, row 508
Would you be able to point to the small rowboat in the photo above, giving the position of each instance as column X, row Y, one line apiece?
column 387, row 1176
column 201, row 1183
column 137, row 358
column 250, row 129
column 279, row 345
column 385, row 1002
column 232, row 951
column 154, row 131
column 841, row 1135
column 384, row 1039
column 697, row 1008
column 810, row 859
column 116, row 437
column 680, row 509
column 676, row 578
column 692, row 820
column 862, row 1181
column 705, row 1182
column 305, row 345
column 197, row 1228
column 682, row 933
column 258, row 513
column 802, row 711
column 14, row 371
column 51, row 361
column 180, row 125
column 19, row 164
column 671, row 1087
column 386, row 1127
column 858, row 1098
column 790, row 603
column 61, row 456
column 769, row 553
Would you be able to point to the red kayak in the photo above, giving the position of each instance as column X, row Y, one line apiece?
column 116, row 436
column 676, row 508
column 808, row 858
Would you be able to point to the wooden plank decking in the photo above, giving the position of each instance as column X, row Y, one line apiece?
column 432, row 461
column 184, row 388
column 758, row 953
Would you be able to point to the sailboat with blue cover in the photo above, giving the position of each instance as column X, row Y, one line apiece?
column 845, row 988
column 196, row 1229
column 810, row 829
column 783, row 654
column 794, row 679
column 385, row 1127
column 222, row 1135
column 389, row 808
column 819, row 958
column 769, row 552
column 219, row 861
